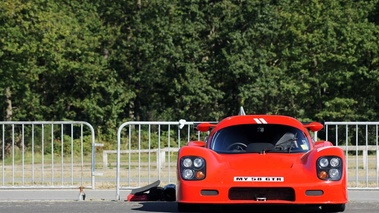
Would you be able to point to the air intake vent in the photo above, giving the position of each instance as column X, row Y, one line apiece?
column 282, row 193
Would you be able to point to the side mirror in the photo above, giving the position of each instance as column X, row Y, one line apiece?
column 319, row 144
column 205, row 127
column 196, row 143
column 314, row 126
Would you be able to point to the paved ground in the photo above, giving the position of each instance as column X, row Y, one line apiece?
column 60, row 195
column 359, row 195
column 159, row 207
column 63, row 201
column 100, row 195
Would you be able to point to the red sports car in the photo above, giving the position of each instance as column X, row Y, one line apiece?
column 261, row 159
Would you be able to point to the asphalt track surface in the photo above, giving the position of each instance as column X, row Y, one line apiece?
column 105, row 202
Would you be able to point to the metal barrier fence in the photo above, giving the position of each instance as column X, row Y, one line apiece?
column 141, row 144
column 47, row 154
column 360, row 142
column 62, row 154
column 160, row 142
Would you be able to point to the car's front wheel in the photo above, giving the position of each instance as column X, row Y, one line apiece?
column 186, row 207
column 333, row 208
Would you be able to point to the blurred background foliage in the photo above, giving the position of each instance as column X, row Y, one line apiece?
column 107, row 62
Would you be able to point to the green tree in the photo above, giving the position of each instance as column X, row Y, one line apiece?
column 160, row 55
column 329, row 40
column 54, row 64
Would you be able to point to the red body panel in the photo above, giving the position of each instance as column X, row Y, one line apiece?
column 296, row 171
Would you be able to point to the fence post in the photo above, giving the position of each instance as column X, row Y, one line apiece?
column 161, row 158
column 365, row 157
column 105, row 159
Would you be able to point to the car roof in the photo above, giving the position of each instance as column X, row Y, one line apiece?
column 259, row 119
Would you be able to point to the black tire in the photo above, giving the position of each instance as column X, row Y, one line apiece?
column 186, row 207
column 333, row 208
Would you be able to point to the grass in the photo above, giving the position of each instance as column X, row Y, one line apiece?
column 47, row 170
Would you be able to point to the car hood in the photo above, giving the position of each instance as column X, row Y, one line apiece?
column 279, row 161
column 259, row 164
column 270, row 165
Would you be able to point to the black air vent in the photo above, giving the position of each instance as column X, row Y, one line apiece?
column 258, row 194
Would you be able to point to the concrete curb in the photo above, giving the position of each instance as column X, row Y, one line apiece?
column 61, row 195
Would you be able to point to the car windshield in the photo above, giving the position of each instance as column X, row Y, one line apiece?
column 259, row 138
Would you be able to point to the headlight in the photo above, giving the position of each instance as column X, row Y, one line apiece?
column 187, row 174
column 198, row 162
column 329, row 168
column 187, row 162
column 335, row 162
column 323, row 162
column 334, row 174
column 192, row 168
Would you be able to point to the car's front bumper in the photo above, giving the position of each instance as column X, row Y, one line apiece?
column 315, row 193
